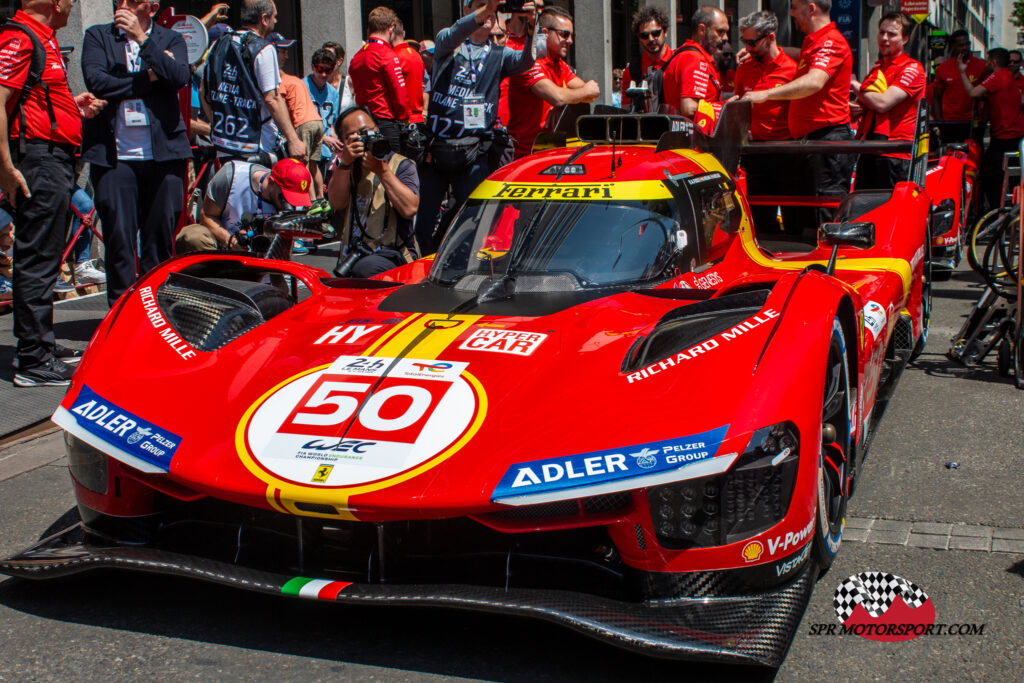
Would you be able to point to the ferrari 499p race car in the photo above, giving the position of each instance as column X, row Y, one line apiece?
column 602, row 403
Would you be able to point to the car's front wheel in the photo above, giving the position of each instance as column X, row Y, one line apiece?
column 836, row 452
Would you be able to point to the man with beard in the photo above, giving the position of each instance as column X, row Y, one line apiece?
column 768, row 67
column 889, row 96
column 550, row 83
column 819, row 107
column 950, row 101
column 650, row 26
column 691, row 83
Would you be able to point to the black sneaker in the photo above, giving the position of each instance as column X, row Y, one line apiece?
column 66, row 355
column 52, row 373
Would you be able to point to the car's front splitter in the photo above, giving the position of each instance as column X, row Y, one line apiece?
column 747, row 629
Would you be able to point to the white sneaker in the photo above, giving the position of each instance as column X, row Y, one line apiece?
column 87, row 274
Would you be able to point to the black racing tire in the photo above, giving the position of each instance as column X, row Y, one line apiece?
column 1018, row 357
column 834, row 464
column 982, row 234
column 929, row 277
column 1004, row 360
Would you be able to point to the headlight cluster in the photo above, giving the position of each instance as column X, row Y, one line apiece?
column 752, row 496
column 88, row 465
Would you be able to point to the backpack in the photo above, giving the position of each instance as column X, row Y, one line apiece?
column 36, row 65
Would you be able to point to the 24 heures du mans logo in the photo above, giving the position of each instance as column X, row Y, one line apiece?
column 888, row 608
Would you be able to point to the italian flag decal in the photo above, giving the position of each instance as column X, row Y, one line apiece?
column 314, row 589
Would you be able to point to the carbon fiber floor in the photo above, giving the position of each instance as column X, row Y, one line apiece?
column 74, row 321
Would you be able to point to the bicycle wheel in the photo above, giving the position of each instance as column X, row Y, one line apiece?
column 982, row 233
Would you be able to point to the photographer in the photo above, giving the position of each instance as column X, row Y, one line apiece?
column 463, row 108
column 375, row 194
column 242, row 187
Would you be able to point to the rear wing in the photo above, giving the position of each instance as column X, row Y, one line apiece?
column 918, row 147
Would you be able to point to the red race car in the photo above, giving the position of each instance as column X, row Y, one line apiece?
column 952, row 179
column 603, row 403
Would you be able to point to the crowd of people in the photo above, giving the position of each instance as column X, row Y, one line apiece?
column 414, row 126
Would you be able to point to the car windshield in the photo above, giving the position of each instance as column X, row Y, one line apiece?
column 562, row 245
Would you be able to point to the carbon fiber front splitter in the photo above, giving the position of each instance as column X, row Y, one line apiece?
column 749, row 629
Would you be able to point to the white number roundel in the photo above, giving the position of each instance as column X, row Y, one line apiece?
column 361, row 420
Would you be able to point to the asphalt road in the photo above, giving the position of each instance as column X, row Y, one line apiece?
column 119, row 626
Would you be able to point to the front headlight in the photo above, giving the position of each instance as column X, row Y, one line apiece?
column 88, row 465
column 752, row 496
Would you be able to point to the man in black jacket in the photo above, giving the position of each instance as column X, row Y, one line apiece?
column 138, row 147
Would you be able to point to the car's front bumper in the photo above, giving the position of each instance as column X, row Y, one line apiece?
column 738, row 629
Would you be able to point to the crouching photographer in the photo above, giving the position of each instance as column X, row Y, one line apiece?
column 375, row 194
column 240, row 188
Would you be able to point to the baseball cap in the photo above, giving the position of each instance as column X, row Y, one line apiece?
column 280, row 41
column 217, row 30
column 292, row 176
column 427, row 46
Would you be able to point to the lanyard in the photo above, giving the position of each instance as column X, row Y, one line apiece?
column 473, row 64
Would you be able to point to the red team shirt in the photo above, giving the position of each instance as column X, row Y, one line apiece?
column 646, row 62
column 412, row 73
column 904, row 73
column 15, row 54
column 377, row 81
column 528, row 112
column 691, row 74
column 768, row 120
column 827, row 50
column 513, row 43
column 1004, row 105
column 956, row 103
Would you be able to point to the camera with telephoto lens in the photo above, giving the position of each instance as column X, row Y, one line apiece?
column 511, row 6
column 376, row 144
column 357, row 249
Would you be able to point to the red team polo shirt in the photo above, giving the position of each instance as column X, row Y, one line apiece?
column 1004, row 105
column 907, row 74
column 1018, row 80
column 827, row 50
column 377, row 81
column 691, row 74
column 513, row 43
column 646, row 62
column 768, row 120
column 956, row 104
column 527, row 112
column 15, row 54
column 412, row 73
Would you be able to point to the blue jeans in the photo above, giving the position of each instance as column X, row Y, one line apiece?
column 82, row 203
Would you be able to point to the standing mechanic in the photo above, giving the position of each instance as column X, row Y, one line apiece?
column 377, row 79
column 950, row 101
column 376, row 198
column 1005, row 118
column 768, row 67
column 39, row 135
column 138, row 147
column 819, row 107
column 550, row 83
column 889, row 96
column 468, row 69
column 691, row 82
column 650, row 26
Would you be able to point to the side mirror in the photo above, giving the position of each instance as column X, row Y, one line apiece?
column 860, row 234
column 941, row 220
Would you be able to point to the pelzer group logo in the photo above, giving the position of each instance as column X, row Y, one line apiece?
column 883, row 607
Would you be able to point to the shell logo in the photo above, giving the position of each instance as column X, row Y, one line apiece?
column 752, row 551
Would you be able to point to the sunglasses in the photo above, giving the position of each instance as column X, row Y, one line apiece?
column 323, row 69
column 563, row 33
column 753, row 43
column 647, row 35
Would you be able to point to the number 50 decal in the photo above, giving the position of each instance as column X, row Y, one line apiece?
column 339, row 404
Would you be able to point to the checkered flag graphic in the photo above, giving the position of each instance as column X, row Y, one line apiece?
column 876, row 592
